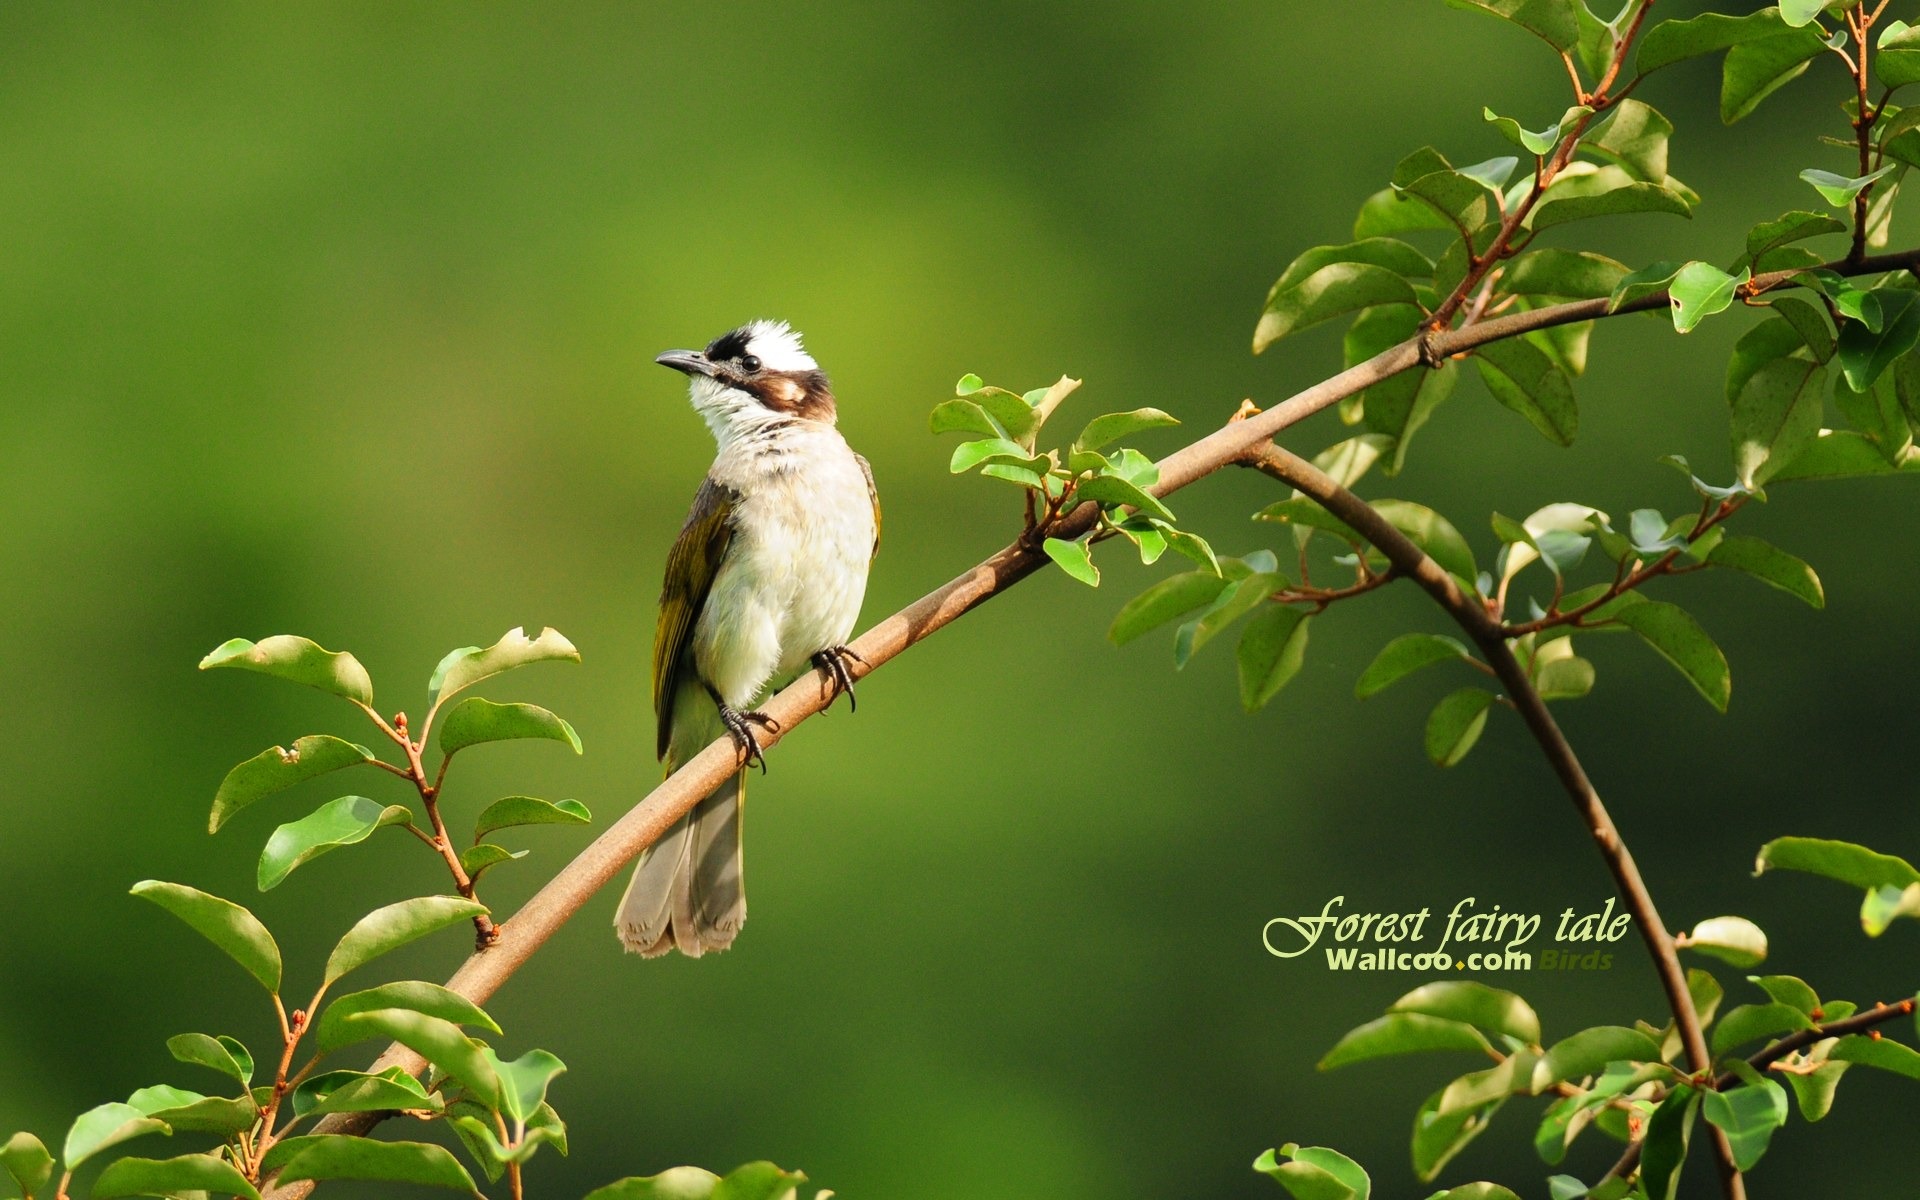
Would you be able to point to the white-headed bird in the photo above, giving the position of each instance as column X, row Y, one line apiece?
column 766, row 577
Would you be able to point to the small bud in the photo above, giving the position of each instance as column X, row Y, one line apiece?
column 1818, row 1014
column 400, row 721
column 1874, row 1034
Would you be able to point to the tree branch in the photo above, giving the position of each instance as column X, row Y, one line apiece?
column 1487, row 633
column 603, row 859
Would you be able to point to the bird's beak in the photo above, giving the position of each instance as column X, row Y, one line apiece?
column 690, row 362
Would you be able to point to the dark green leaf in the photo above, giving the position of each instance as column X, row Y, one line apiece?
column 1526, row 380
column 190, row 1112
column 395, row 925
column 1879, row 1053
column 477, row 860
column 1788, row 990
column 962, row 416
column 1839, row 190
column 1776, row 417
column 968, row 455
column 1864, row 353
column 1665, row 1147
column 1484, row 1007
column 1809, row 323
column 222, row 1054
column 1771, row 565
column 1112, row 491
column 1787, row 228
column 1389, row 211
column 465, row 667
column 1648, row 281
column 1403, row 656
column 1578, row 275
column 1433, row 533
column 476, row 720
column 338, row 1157
column 1670, row 42
column 1755, row 70
column 171, row 1177
column 1400, row 406
column 1272, row 647
column 528, row 810
column 392, row 1090
column 1635, row 139
column 1403, row 1033
column 299, row 660
column 1898, row 63
column 335, row 1030
column 524, row 1081
column 1753, row 1022
column 1074, row 558
column 1455, row 724
column 1438, row 1136
column 1550, row 20
column 1234, row 602
column 1171, row 597
column 1607, row 192
column 336, row 823
column 1536, row 144
column 1814, row 1089
column 277, row 769
column 1680, row 640
column 233, row 929
column 1305, row 512
column 1842, row 454
column 1331, row 291
column 754, row 1181
column 104, row 1127
column 1845, row 862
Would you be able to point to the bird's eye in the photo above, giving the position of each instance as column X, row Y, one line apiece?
column 750, row 363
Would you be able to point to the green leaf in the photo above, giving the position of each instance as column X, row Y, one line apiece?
column 1455, row 724
column 1877, row 414
column 1478, row 1191
column 1438, row 1136
column 529, row 810
column 1844, row 862
column 439, row 1042
column 336, row 1032
column 1648, row 281
column 1549, row 20
column 1234, row 602
column 1788, row 990
column 476, row 720
column 171, row 1177
column 1839, row 190
column 233, row 929
column 1797, row 13
column 1842, row 454
column 968, row 385
column 25, row 1159
column 524, row 1081
column 1564, row 202
column 1331, row 291
column 477, row 860
column 1537, row 144
column 391, row 927
column 1171, row 597
column 190, row 1112
column 299, row 660
column 1754, row 1022
column 1304, row 512
column 960, row 416
column 1405, row 655
column 391, row 1090
column 1898, row 63
column 1665, row 1148
column 1578, row 275
column 1403, row 1033
column 1635, row 139
column 968, row 455
column 1432, row 533
column 1112, row 491
column 1104, row 430
column 1864, row 353
column 1272, row 647
column 1755, row 70
column 1390, row 211
column 467, row 666
column 1561, row 675
column 1809, row 323
column 104, row 1127
column 333, row 1156
column 1193, row 546
column 336, row 823
column 1488, row 1008
column 1734, row 940
column 1814, row 1089
column 1589, row 1051
column 276, row 769
column 1879, row 1053
column 754, row 1181
column 1315, row 1173
column 1075, row 558
column 1883, row 906
column 1700, row 290
column 1523, row 378
column 1769, row 564
column 222, row 1054
column 1670, row 42
column 1776, row 416
column 1788, row 228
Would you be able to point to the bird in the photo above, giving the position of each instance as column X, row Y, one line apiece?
column 767, row 576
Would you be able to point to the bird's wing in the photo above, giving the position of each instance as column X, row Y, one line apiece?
column 691, row 566
column 873, row 494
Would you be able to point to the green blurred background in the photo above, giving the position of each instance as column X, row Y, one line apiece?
column 338, row 319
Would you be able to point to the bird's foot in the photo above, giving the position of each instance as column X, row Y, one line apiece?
column 833, row 660
column 740, row 728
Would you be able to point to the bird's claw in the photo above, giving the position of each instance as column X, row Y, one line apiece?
column 833, row 660
column 740, row 728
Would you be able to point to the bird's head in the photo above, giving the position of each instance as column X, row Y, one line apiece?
column 753, row 378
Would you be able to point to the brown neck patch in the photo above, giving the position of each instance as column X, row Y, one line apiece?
column 803, row 394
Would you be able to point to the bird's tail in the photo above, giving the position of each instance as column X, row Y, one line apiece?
column 687, row 893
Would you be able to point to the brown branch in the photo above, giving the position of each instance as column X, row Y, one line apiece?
column 554, row 904
column 1470, row 612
